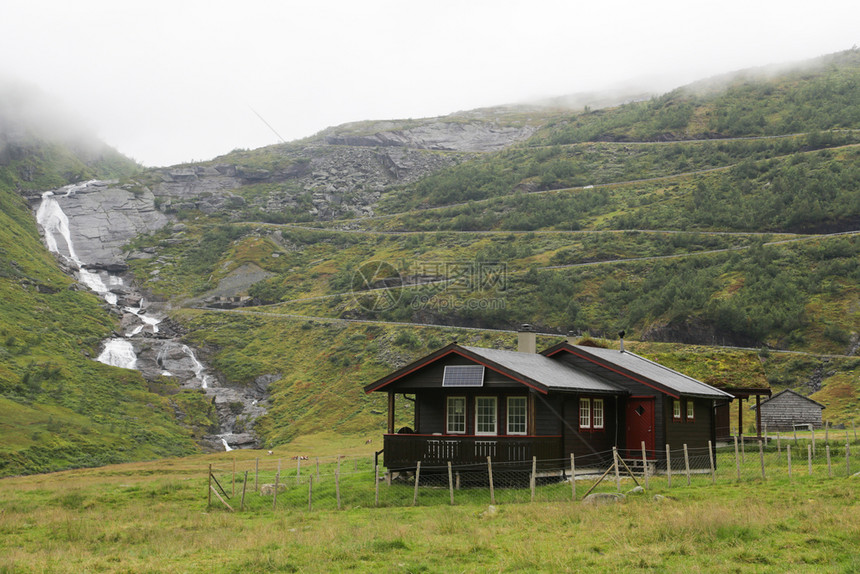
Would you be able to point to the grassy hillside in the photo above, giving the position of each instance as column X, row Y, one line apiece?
column 58, row 407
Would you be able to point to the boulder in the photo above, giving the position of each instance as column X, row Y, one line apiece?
column 269, row 489
column 599, row 498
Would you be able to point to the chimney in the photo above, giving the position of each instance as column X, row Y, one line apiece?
column 526, row 340
column 621, row 338
column 571, row 338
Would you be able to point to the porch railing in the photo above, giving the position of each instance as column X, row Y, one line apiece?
column 404, row 450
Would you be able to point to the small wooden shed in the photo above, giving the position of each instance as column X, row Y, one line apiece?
column 787, row 409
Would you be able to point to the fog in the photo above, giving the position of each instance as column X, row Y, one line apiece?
column 169, row 82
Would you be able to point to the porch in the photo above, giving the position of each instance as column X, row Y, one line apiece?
column 402, row 451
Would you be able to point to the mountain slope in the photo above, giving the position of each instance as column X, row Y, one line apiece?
column 58, row 407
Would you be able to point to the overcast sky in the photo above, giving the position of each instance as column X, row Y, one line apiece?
column 173, row 81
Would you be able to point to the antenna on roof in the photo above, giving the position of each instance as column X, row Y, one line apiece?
column 621, row 337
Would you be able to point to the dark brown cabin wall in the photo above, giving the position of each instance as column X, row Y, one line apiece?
column 661, row 403
column 430, row 377
column 585, row 444
column 695, row 434
column 548, row 422
column 431, row 408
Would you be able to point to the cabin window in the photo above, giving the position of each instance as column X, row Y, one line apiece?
column 585, row 413
column 456, row 415
column 591, row 414
column 597, row 413
column 676, row 409
column 517, row 415
column 485, row 415
column 691, row 411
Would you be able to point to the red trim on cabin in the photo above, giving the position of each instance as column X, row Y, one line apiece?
column 605, row 366
column 458, row 351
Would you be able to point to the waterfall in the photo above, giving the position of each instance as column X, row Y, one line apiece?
column 226, row 446
column 54, row 221
column 199, row 369
column 119, row 353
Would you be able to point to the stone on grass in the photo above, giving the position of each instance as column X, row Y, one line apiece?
column 603, row 498
column 269, row 489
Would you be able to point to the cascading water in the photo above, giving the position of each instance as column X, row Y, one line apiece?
column 118, row 353
column 158, row 353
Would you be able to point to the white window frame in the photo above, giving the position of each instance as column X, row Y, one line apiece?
column 584, row 413
column 449, row 405
column 495, row 402
column 525, row 415
column 595, row 422
column 676, row 409
column 691, row 410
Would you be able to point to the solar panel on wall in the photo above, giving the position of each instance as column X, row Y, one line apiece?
column 463, row 376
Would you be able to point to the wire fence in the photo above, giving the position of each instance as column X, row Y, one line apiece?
column 329, row 483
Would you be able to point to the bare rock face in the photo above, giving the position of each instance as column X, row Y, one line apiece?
column 104, row 217
column 441, row 135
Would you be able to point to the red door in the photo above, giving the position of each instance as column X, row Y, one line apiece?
column 640, row 425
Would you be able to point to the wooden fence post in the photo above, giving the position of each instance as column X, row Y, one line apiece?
column 687, row 463
column 318, row 468
column 761, row 458
column 417, row 479
column 490, row 472
column 572, row 477
column 533, row 480
column 737, row 460
column 813, row 438
column 826, row 432
column 450, row 483
column 209, row 490
column 644, row 465
column 795, row 435
column 809, row 457
column 310, row 492
column 617, row 470
column 788, row 454
column 847, row 461
column 829, row 469
column 244, row 486
column 668, row 467
column 298, row 469
column 275, row 494
column 743, row 450
column 376, row 482
column 778, row 446
column 711, row 458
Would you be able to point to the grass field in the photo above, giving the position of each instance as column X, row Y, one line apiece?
column 153, row 517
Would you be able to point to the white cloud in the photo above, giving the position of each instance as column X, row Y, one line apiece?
column 173, row 81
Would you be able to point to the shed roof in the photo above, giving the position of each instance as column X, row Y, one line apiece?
column 628, row 362
column 791, row 392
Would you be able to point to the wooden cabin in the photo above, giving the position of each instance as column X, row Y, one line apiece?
column 472, row 402
column 788, row 410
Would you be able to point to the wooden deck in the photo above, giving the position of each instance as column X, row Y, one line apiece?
column 403, row 451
